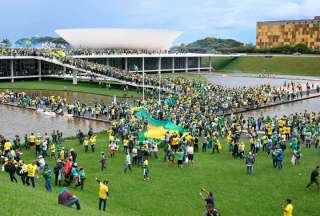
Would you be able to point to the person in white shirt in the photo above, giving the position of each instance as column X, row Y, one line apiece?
column 154, row 149
column 190, row 152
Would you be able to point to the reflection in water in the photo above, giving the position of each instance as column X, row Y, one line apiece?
column 311, row 105
column 14, row 120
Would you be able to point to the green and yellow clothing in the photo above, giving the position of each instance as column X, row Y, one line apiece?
column 288, row 210
column 32, row 168
column 7, row 146
column 103, row 190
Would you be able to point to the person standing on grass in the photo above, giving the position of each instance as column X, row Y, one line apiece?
column 249, row 162
column 180, row 155
column 190, row 153
column 103, row 161
column 287, row 208
column 207, row 196
column 103, row 193
column 11, row 169
column 82, row 177
column 93, row 141
column 32, row 169
column 314, row 178
column 80, row 136
column 127, row 163
column 46, row 173
column 58, row 173
column 86, row 144
column 146, row 170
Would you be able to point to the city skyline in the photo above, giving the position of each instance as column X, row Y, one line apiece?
column 222, row 19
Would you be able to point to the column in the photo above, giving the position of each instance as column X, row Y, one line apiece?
column 159, row 65
column 143, row 79
column 173, row 65
column 74, row 78
column 199, row 63
column 126, row 64
column 187, row 64
column 64, row 73
column 11, row 70
column 159, row 72
column 210, row 64
column 108, row 62
column 39, row 69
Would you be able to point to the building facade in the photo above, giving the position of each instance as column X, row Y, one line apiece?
column 273, row 34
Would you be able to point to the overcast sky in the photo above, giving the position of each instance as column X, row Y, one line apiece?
column 197, row 19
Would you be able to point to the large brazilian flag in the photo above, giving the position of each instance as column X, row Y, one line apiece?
column 156, row 128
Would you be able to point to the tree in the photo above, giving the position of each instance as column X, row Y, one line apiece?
column 5, row 43
column 302, row 48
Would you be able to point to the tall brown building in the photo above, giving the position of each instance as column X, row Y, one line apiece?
column 289, row 32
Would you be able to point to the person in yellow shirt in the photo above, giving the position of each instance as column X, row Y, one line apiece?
column 288, row 208
column 31, row 169
column 125, row 144
column 86, row 144
column 103, row 193
column 93, row 141
column 7, row 147
column 32, row 139
column 53, row 151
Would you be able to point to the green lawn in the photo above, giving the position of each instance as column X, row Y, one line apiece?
column 173, row 191
column 86, row 87
column 303, row 66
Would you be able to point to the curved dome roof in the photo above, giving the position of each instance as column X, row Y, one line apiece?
column 150, row 39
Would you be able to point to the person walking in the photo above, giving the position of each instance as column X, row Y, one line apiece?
column 103, row 193
column 314, row 178
column 103, row 161
column 46, row 173
column 11, row 169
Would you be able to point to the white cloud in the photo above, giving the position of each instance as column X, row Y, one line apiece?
column 215, row 16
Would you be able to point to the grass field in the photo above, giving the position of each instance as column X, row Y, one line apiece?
column 173, row 191
column 303, row 66
column 86, row 87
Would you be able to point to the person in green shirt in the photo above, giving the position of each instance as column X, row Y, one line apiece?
column 180, row 155
column 82, row 177
column 294, row 144
column 46, row 173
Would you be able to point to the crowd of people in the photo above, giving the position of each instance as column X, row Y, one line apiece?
column 199, row 108
column 245, row 137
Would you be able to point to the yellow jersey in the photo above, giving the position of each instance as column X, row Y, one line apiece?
column 7, row 146
column 32, row 139
column 32, row 170
column 103, row 190
column 288, row 210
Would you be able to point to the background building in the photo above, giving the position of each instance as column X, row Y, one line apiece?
column 289, row 32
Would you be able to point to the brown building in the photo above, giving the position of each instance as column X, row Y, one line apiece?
column 288, row 32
